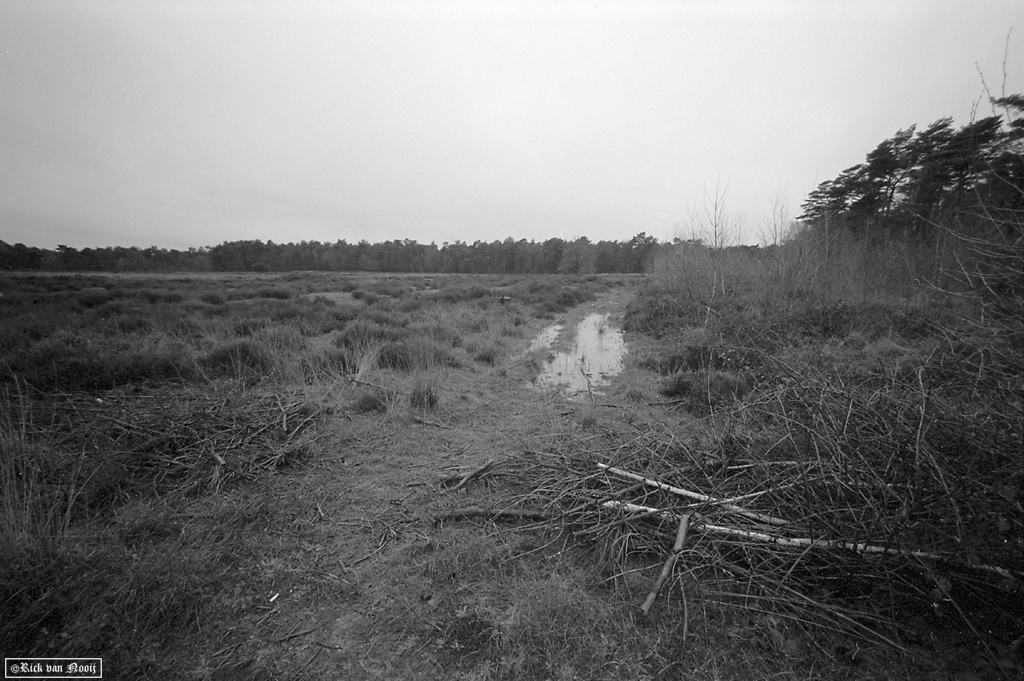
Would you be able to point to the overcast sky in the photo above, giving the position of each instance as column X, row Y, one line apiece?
column 181, row 123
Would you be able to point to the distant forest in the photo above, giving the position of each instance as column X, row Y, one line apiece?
column 909, row 189
column 498, row 257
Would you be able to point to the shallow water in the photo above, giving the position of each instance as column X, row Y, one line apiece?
column 546, row 337
column 596, row 355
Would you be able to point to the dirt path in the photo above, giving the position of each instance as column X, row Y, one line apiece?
column 340, row 587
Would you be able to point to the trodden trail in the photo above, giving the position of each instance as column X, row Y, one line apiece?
column 330, row 603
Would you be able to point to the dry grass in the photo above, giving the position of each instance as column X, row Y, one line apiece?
column 882, row 425
column 425, row 393
column 97, row 554
column 872, row 422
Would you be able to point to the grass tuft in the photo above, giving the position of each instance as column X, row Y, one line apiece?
column 425, row 394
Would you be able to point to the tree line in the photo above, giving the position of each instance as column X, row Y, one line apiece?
column 919, row 181
column 910, row 188
column 579, row 256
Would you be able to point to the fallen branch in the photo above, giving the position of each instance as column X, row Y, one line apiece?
column 637, row 513
column 637, row 508
column 722, row 503
column 463, row 478
column 367, row 384
column 425, row 422
column 859, row 547
column 608, row 497
column 666, row 569
column 291, row 636
column 807, row 542
column 492, row 513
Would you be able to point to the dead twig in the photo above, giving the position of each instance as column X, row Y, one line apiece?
column 425, row 422
column 492, row 513
column 461, row 479
column 295, row 635
column 666, row 569
column 607, row 497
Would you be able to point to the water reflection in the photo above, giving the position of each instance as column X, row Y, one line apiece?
column 546, row 337
column 596, row 355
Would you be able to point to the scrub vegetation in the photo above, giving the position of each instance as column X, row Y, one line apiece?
column 861, row 378
column 148, row 423
column 323, row 475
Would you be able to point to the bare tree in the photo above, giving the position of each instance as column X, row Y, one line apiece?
column 713, row 225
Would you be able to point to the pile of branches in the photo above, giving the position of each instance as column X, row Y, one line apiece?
column 884, row 512
column 132, row 442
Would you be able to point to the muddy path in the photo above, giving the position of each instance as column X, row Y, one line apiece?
column 339, row 588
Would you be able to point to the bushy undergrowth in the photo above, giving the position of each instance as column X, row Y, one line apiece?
column 73, row 362
column 900, row 408
column 374, row 400
column 119, row 465
column 244, row 359
column 548, row 299
column 127, row 409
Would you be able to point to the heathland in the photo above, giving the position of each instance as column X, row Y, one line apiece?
column 808, row 464
column 242, row 476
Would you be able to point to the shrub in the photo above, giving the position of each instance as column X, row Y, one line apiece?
column 286, row 312
column 362, row 333
column 92, row 299
column 373, row 400
column 707, row 389
column 249, row 326
column 423, row 355
column 367, row 297
column 337, row 361
column 172, row 297
column 109, row 309
column 280, row 338
column 244, row 359
column 428, row 354
column 154, row 297
column 130, row 323
column 444, row 335
column 389, row 288
column 343, row 314
column 276, row 292
column 138, row 367
column 488, row 352
column 635, row 395
column 411, row 303
column 588, row 417
column 396, row 355
column 72, row 363
column 384, row 316
column 213, row 298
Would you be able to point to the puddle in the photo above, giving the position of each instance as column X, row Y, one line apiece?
column 546, row 337
column 596, row 354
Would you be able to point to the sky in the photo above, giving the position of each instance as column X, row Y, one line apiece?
column 187, row 123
